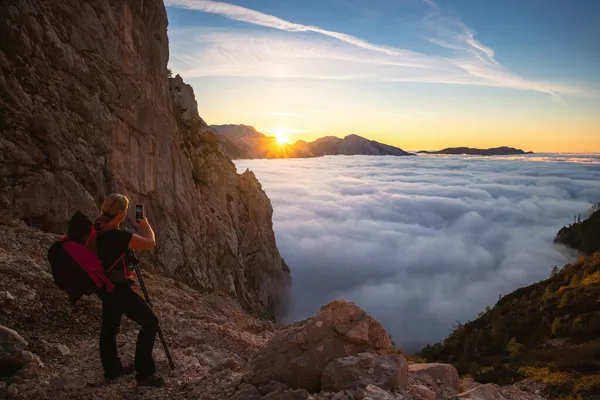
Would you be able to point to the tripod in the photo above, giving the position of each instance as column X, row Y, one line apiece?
column 136, row 264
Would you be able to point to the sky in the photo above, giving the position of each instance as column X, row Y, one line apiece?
column 417, row 74
column 422, row 242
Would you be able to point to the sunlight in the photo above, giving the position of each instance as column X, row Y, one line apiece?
column 281, row 134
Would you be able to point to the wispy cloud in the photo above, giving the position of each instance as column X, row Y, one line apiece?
column 258, row 18
column 238, row 53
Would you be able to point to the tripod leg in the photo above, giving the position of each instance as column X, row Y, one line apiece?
column 160, row 333
column 164, row 343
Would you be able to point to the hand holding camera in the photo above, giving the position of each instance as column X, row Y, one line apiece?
column 140, row 219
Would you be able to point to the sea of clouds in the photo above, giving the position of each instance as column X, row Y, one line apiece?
column 422, row 242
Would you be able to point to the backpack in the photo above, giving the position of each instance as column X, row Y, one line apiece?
column 76, row 268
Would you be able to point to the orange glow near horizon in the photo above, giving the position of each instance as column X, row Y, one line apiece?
column 536, row 140
column 305, row 110
column 552, row 134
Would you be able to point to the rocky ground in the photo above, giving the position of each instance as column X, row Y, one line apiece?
column 49, row 348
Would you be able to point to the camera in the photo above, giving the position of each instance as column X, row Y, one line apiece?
column 139, row 212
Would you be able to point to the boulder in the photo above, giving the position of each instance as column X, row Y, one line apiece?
column 63, row 350
column 246, row 392
column 387, row 372
column 31, row 369
column 483, row 392
column 13, row 354
column 372, row 392
column 420, row 392
column 6, row 295
column 273, row 386
column 342, row 396
column 431, row 373
column 211, row 358
column 298, row 355
column 229, row 363
column 512, row 392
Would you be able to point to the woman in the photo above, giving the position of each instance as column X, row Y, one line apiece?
column 113, row 246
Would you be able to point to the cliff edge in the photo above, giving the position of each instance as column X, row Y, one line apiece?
column 87, row 108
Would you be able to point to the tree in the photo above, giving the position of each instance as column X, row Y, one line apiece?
column 554, row 271
column 547, row 294
column 564, row 300
column 515, row 348
column 556, row 326
column 575, row 280
column 577, row 324
column 498, row 327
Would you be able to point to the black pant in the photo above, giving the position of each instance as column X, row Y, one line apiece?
column 123, row 300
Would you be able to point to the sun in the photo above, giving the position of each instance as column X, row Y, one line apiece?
column 282, row 139
column 281, row 135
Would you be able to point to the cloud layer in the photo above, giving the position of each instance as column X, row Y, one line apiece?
column 421, row 242
column 293, row 50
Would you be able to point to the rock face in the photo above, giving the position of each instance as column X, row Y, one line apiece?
column 583, row 236
column 298, row 355
column 496, row 151
column 241, row 141
column 86, row 109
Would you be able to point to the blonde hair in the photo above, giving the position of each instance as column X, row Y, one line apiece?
column 113, row 205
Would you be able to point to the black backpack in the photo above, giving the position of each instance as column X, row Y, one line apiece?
column 76, row 268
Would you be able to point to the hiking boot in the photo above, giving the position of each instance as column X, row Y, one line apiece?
column 151, row 380
column 123, row 371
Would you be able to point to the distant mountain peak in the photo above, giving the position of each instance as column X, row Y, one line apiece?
column 494, row 151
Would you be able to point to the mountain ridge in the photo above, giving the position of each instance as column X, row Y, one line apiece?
column 243, row 141
column 546, row 332
column 494, row 151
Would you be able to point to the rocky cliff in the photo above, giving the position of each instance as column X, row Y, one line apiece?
column 546, row 332
column 87, row 108
column 583, row 236
column 241, row 141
